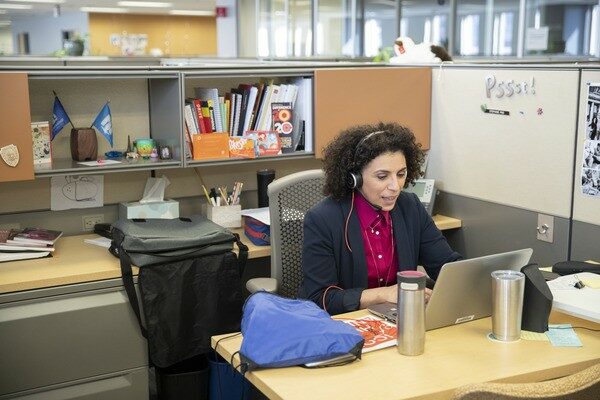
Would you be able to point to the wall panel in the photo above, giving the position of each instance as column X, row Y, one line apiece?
column 523, row 159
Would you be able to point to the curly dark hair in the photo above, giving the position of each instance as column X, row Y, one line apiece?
column 339, row 155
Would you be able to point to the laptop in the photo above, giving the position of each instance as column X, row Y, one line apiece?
column 463, row 290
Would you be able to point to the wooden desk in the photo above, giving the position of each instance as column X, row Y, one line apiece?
column 74, row 261
column 454, row 356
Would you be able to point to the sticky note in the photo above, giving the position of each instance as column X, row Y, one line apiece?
column 563, row 335
column 528, row 335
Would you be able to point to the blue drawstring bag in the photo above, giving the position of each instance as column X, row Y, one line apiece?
column 281, row 332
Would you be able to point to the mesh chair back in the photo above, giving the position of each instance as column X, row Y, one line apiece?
column 290, row 198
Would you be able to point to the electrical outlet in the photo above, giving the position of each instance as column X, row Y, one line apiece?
column 545, row 228
column 90, row 220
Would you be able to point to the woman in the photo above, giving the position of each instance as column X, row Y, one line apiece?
column 367, row 229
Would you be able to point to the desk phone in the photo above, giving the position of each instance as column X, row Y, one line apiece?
column 425, row 191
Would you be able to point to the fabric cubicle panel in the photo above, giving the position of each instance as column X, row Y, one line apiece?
column 524, row 159
column 586, row 208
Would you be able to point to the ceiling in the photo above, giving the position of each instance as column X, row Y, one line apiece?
column 49, row 7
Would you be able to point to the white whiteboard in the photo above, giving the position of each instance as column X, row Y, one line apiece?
column 585, row 208
column 524, row 159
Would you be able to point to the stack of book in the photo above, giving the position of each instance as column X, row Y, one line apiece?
column 22, row 244
column 243, row 111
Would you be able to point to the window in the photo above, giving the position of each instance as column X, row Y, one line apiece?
column 562, row 27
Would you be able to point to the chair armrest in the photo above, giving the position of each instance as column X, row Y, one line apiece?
column 267, row 284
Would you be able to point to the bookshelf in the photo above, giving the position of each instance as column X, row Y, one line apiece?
column 225, row 80
column 143, row 104
column 149, row 102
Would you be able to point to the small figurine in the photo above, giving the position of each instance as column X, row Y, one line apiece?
column 133, row 155
column 154, row 153
column 165, row 153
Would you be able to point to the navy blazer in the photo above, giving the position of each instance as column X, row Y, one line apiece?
column 326, row 260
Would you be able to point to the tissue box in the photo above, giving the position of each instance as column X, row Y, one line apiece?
column 166, row 209
column 226, row 216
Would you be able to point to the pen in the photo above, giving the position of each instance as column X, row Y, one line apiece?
column 206, row 194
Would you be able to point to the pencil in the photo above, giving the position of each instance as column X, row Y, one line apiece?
column 206, row 194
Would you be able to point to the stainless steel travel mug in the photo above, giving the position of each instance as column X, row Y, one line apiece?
column 507, row 304
column 411, row 313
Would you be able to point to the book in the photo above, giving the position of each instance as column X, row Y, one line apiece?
column 42, row 144
column 22, row 255
column 38, row 235
column 378, row 333
column 8, row 245
column 211, row 94
column 268, row 142
column 242, row 147
column 282, row 123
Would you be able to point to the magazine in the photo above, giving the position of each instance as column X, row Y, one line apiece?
column 378, row 333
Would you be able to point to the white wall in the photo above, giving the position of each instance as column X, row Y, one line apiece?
column 45, row 31
column 227, row 30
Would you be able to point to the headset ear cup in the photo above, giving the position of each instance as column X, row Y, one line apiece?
column 354, row 180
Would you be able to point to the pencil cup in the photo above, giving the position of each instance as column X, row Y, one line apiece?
column 507, row 304
column 226, row 216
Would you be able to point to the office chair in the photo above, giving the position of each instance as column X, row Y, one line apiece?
column 290, row 198
column 583, row 385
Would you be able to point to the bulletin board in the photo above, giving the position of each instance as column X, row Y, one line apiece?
column 345, row 97
column 523, row 159
column 586, row 199
column 15, row 129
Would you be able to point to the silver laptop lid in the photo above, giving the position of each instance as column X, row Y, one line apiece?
column 463, row 290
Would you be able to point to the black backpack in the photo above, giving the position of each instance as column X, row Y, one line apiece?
column 189, row 281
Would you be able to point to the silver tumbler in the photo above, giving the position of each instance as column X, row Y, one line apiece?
column 411, row 313
column 507, row 304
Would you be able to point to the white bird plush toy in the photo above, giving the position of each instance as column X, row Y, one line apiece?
column 408, row 52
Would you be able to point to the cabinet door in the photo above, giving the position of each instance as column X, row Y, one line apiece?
column 356, row 96
column 64, row 338
column 130, row 385
column 15, row 128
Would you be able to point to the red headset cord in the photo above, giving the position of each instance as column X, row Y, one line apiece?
column 347, row 220
column 325, row 294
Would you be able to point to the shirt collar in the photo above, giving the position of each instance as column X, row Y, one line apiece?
column 367, row 214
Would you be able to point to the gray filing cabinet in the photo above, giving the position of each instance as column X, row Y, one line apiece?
column 77, row 341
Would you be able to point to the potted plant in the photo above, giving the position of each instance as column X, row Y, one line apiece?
column 74, row 46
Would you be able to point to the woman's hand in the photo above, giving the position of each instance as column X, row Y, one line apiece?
column 427, row 295
column 379, row 295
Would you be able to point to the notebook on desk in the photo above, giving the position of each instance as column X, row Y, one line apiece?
column 463, row 290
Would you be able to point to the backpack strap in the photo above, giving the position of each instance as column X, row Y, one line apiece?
column 127, row 276
column 242, row 253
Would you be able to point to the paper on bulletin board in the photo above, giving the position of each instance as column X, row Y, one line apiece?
column 537, row 38
column 590, row 169
column 76, row 191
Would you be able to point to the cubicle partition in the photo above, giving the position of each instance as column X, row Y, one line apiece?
column 506, row 156
column 586, row 193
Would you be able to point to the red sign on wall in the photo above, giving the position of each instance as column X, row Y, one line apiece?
column 221, row 11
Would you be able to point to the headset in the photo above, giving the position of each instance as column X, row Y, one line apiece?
column 354, row 180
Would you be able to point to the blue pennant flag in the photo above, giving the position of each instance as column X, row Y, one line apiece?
column 103, row 123
column 59, row 117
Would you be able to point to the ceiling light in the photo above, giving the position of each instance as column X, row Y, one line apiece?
column 16, row 6
column 40, row 1
column 4, row 23
column 2, row 11
column 153, row 4
column 192, row 12
column 114, row 10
